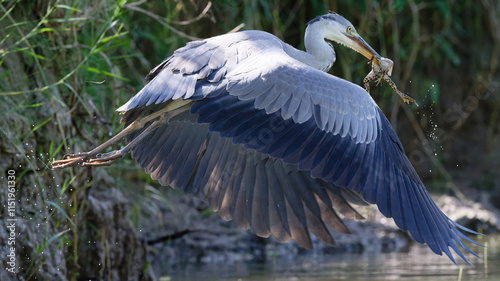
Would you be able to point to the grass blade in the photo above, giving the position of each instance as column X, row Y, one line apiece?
column 61, row 211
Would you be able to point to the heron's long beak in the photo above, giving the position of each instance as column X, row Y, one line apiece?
column 363, row 48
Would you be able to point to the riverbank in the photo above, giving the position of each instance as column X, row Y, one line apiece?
column 201, row 237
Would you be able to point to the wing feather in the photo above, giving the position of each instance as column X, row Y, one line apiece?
column 259, row 193
column 260, row 203
column 278, row 218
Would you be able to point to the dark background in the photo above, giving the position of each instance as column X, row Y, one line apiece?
column 65, row 66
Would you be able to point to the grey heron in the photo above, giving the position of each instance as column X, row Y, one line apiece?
column 261, row 132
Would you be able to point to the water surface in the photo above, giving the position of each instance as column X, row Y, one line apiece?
column 418, row 264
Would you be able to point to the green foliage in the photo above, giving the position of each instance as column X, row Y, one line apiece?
column 66, row 65
column 61, row 211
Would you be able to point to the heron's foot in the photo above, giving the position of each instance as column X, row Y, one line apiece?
column 105, row 159
column 86, row 159
column 70, row 160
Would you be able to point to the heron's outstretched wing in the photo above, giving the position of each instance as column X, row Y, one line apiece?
column 259, row 98
column 379, row 169
column 256, row 191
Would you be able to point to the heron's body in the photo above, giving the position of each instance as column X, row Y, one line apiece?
column 260, row 131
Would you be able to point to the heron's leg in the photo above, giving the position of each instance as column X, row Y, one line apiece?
column 110, row 157
column 76, row 159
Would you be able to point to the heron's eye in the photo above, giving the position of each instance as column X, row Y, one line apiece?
column 349, row 29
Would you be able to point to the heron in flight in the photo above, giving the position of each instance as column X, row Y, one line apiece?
column 261, row 132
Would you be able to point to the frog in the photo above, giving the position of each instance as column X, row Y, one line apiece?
column 382, row 70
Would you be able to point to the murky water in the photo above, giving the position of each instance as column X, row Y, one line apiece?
column 419, row 264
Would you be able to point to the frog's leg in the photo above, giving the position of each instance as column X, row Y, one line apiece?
column 404, row 96
column 367, row 80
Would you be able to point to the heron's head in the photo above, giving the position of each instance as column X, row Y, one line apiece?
column 336, row 28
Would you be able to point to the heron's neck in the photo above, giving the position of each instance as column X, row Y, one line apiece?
column 319, row 54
